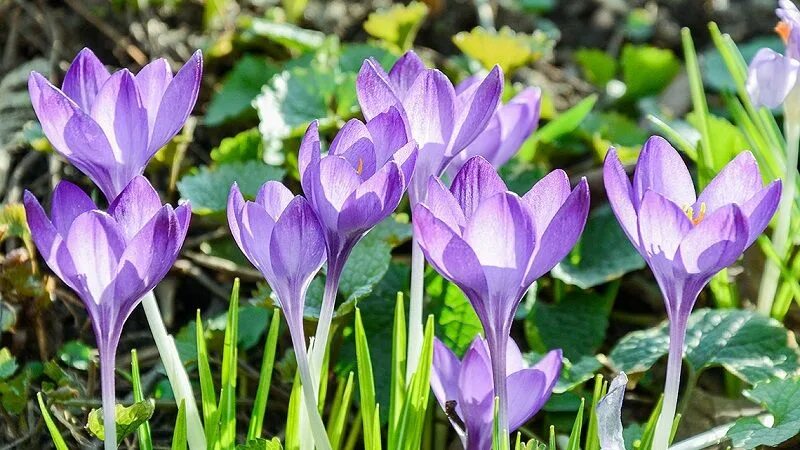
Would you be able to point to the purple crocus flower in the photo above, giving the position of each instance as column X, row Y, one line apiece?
column 686, row 239
column 110, row 125
column 494, row 244
column 771, row 77
column 441, row 120
column 110, row 259
column 465, row 392
column 357, row 184
column 505, row 133
column 280, row 235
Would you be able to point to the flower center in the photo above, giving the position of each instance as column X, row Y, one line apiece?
column 689, row 211
column 784, row 29
column 360, row 166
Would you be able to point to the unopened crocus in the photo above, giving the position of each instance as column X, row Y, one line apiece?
column 686, row 239
column 772, row 81
column 505, row 133
column 464, row 388
column 357, row 184
column 281, row 236
column 494, row 244
column 110, row 125
column 110, row 259
column 443, row 122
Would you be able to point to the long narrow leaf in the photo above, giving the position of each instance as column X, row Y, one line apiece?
column 340, row 412
column 143, row 432
column 366, row 382
column 574, row 442
column 55, row 435
column 265, row 377
column 207, row 391
column 227, row 402
column 398, row 387
column 179, row 435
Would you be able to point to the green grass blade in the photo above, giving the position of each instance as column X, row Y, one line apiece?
column 552, row 440
column 179, row 435
column 674, row 137
column 574, row 442
column 143, row 432
column 376, row 428
column 340, row 411
column 293, row 415
column 55, row 435
column 416, row 403
column 207, row 390
column 265, row 377
column 366, row 382
column 705, row 160
column 398, row 382
column 227, row 402
column 592, row 436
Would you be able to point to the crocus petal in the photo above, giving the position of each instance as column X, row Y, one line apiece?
column 234, row 212
column 153, row 80
column 444, row 374
column 119, row 111
column 448, row 253
column 373, row 200
column 517, row 121
column 550, row 366
column 95, row 244
column 374, row 90
column 476, row 181
column 737, row 183
column 444, row 206
column 68, row 202
column 661, row 169
column 526, row 396
column 255, row 228
column 388, row 134
column 177, row 103
column 431, row 104
column 331, row 182
column 562, row 232
column 406, row 158
column 353, row 143
column 274, row 197
column 44, row 234
column 135, row 206
column 715, row 243
column 309, row 149
column 620, row 196
column 404, row 72
column 475, row 383
column 662, row 227
column 84, row 78
column 760, row 209
column 297, row 248
column 770, row 77
column 514, row 361
column 475, row 108
column 546, row 198
column 609, row 415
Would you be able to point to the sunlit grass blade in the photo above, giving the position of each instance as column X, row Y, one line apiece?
column 376, row 428
column 55, row 435
column 227, row 402
column 366, row 382
column 574, row 442
column 339, row 411
column 705, row 161
column 355, row 432
column 674, row 137
column 143, row 432
column 416, row 402
column 207, row 390
column 592, row 436
column 398, row 382
column 179, row 435
column 552, row 440
column 293, row 414
column 265, row 377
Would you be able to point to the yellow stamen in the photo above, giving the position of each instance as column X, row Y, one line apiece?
column 360, row 167
column 689, row 211
column 784, row 29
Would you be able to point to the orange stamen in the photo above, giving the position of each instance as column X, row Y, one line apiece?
column 689, row 211
column 784, row 30
column 360, row 167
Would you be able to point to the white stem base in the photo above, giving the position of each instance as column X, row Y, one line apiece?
column 415, row 333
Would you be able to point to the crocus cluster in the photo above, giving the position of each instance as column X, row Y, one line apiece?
column 465, row 391
column 109, row 126
column 686, row 239
column 494, row 244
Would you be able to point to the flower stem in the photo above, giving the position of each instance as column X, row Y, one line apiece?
column 308, row 383
column 324, row 324
column 109, row 394
column 497, row 353
column 780, row 237
column 415, row 309
column 677, row 334
column 176, row 373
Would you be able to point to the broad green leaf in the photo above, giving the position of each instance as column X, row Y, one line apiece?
column 614, row 127
column 15, row 106
column 241, row 85
column 728, row 139
column 573, row 373
column 13, row 222
column 55, row 435
column 128, row 419
column 602, row 254
column 747, row 344
column 598, row 67
column 398, row 25
column 366, row 266
column 715, row 73
column 75, row 354
column 208, row 188
column 261, row 444
column 245, row 146
column 294, row 9
column 782, row 399
column 566, row 122
column 353, row 55
column 577, row 324
column 286, row 34
column 456, row 321
column 507, row 48
column 647, row 70
column 8, row 363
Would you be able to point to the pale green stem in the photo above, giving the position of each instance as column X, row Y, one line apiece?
column 780, row 237
column 176, row 373
column 415, row 334
column 320, row 343
column 677, row 334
